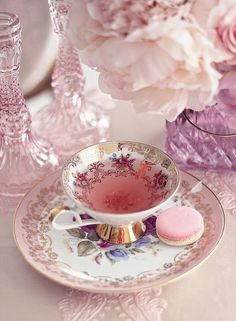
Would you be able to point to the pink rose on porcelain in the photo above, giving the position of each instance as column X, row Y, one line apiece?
column 150, row 52
column 220, row 22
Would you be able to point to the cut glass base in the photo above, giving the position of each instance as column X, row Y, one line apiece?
column 204, row 139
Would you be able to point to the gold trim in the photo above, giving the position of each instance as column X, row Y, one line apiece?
column 121, row 235
column 174, row 168
column 57, row 210
column 116, row 289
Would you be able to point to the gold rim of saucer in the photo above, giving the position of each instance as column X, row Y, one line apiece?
column 121, row 234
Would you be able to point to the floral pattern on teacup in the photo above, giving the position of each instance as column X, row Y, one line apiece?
column 156, row 180
column 124, row 159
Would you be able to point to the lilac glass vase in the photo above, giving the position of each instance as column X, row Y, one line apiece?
column 24, row 157
column 205, row 139
column 69, row 121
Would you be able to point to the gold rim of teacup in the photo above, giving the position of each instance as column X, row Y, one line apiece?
column 86, row 208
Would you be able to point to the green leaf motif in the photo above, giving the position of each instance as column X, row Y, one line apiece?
column 92, row 236
column 131, row 251
column 77, row 232
column 138, row 250
column 85, row 248
column 128, row 245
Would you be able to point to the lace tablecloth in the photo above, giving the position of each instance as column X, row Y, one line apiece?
column 207, row 293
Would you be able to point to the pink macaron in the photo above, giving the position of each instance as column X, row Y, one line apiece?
column 179, row 226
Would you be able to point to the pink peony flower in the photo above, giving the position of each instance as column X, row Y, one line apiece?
column 150, row 52
column 218, row 17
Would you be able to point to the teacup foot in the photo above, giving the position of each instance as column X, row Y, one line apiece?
column 121, row 234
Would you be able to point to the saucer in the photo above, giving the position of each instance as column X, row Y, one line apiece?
column 79, row 259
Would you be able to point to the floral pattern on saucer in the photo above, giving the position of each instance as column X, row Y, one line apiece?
column 89, row 244
column 80, row 250
column 77, row 258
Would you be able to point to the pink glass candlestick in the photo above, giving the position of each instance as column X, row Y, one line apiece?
column 69, row 121
column 24, row 158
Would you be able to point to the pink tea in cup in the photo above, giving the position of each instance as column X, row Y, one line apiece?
column 118, row 184
column 122, row 184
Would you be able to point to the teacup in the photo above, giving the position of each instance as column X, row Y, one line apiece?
column 119, row 184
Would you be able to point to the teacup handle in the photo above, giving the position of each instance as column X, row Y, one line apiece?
column 64, row 218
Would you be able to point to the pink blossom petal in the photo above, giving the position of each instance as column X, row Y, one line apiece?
column 153, row 66
column 162, row 64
